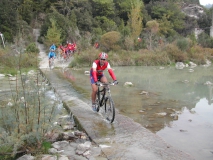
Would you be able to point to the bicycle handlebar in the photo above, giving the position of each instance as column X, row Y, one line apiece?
column 107, row 84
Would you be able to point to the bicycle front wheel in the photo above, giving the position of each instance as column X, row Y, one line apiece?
column 97, row 105
column 109, row 109
column 51, row 64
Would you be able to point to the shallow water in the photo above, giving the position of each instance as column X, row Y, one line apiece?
column 174, row 104
column 13, row 88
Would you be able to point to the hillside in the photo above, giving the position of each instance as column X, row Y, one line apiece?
column 86, row 21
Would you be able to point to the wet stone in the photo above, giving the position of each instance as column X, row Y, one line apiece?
column 26, row 157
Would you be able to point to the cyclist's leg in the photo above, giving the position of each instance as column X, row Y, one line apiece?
column 93, row 96
column 67, row 55
column 49, row 61
column 94, row 91
column 103, row 79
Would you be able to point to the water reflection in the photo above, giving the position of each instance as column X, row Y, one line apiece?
column 175, row 104
column 68, row 74
column 210, row 100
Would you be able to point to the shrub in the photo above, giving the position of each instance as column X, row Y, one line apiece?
column 128, row 43
column 10, row 61
column 32, row 48
column 110, row 41
column 199, row 54
column 183, row 44
column 122, row 58
column 24, row 123
column 175, row 54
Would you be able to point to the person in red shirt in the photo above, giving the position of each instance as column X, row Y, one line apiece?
column 72, row 48
column 96, row 45
column 63, row 51
column 97, row 75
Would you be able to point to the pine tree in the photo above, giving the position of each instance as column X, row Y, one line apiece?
column 53, row 34
column 135, row 19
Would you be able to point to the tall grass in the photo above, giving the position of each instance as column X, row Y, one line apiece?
column 25, row 113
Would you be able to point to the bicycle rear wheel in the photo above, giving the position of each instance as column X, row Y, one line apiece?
column 109, row 109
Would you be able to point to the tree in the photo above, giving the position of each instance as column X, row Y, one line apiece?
column 124, row 30
column 106, row 24
column 8, row 18
column 135, row 18
column 204, row 22
column 25, row 10
column 166, row 27
column 110, row 41
column 152, row 27
column 83, row 13
column 62, row 23
column 205, row 40
column 64, row 7
column 53, row 34
column 168, row 11
column 123, row 7
column 103, row 8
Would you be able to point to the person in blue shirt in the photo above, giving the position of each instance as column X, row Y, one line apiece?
column 53, row 47
column 51, row 55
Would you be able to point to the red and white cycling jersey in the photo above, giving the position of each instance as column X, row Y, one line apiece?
column 99, row 68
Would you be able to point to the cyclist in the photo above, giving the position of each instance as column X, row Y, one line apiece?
column 63, row 51
column 53, row 47
column 97, row 76
column 51, row 55
column 68, row 48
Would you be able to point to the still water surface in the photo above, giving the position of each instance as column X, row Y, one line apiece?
column 174, row 104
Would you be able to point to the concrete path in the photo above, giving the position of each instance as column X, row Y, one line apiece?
column 122, row 140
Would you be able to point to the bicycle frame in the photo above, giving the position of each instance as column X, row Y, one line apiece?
column 101, row 93
column 51, row 63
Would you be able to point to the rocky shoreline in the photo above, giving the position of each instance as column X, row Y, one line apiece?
column 68, row 143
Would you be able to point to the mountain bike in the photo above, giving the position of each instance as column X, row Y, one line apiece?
column 51, row 63
column 104, row 98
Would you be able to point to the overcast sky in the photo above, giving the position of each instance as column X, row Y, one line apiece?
column 204, row 2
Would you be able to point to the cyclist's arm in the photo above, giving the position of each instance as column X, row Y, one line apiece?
column 111, row 73
column 94, row 71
